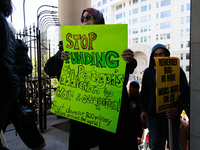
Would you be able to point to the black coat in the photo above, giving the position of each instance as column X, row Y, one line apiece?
column 8, row 75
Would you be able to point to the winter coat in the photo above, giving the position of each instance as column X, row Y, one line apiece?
column 23, row 67
column 8, row 75
column 148, row 97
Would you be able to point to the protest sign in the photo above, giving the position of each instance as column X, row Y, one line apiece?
column 91, row 81
column 167, row 82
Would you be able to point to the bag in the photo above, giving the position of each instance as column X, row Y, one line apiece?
column 26, row 114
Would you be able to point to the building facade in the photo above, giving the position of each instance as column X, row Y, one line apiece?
column 151, row 22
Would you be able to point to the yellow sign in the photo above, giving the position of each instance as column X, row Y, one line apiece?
column 91, row 82
column 167, row 82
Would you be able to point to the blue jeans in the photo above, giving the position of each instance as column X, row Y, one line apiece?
column 158, row 131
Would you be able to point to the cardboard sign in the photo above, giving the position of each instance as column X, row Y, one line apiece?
column 91, row 82
column 167, row 82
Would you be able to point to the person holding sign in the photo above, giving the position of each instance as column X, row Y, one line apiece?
column 83, row 136
column 157, row 123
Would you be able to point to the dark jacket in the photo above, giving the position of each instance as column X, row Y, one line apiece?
column 148, row 97
column 8, row 75
column 23, row 67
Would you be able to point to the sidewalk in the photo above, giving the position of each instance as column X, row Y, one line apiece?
column 56, row 136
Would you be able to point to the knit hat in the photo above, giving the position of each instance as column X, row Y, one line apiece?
column 157, row 46
column 90, row 10
column 135, row 84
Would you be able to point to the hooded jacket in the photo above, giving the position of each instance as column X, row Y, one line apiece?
column 8, row 75
column 148, row 97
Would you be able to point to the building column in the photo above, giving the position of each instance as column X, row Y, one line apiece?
column 195, row 76
column 69, row 12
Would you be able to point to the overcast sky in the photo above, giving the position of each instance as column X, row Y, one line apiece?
column 31, row 7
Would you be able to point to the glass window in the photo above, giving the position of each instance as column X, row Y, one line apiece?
column 156, row 36
column 187, row 31
column 182, row 8
column 187, row 56
column 129, row 3
column 182, row 20
column 119, row 16
column 135, row 2
column 181, row 56
column 187, row 68
column 165, row 25
column 143, row 19
column 143, row 8
column 129, row 31
column 124, row 14
column 143, row 0
column 144, row 29
column 149, row 28
column 119, row 7
column 135, row 20
column 135, row 31
column 142, row 39
column 149, row 17
column 165, row 14
column 149, row 6
column 181, row 44
column 99, row 4
column 135, row 40
column 187, row 44
column 102, row 11
column 129, row 12
column 188, row 19
column 135, row 11
column 156, row 15
column 182, row 32
column 164, row 36
column 188, row 6
column 157, row 4
column 165, row 3
column 149, row 38
column 104, row 1
column 145, row 39
column 129, row 22
column 157, row 27
column 167, row 46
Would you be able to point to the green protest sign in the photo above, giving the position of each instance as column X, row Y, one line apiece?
column 91, row 81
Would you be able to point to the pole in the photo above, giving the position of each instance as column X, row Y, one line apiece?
column 170, row 134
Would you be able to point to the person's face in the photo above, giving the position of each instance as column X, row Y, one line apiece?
column 88, row 18
column 159, row 53
column 133, row 90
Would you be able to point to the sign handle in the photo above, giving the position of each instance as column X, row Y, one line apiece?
column 170, row 134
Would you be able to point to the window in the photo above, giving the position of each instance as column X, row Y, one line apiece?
column 182, row 20
column 102, row 11
column 143, row 19
column 165, row 3
column 188, row 7
column 182, row 32
column 167, row 46
column 143, row 8
column 135, row 20
column 142, row 39
column 149, row 28
column 135, row 11
column 145, row 39
column 119, row 16
column 164, row 36
column 149, row 17
column 187, row 44
column 149, row 6
column 129, row 12
column 181, row 56
column 187, row 56
column 181, row 44
column 143, row 0
column 143, row 29
column 182, row 8
column 165, row 25
column 187, row 68
column 156, row 15
column 99, row 4
column 165, row 14
column 119, row 7
column 124, row 5
column 188, row 19
column 129, row 31
column 135, row 31
column 129, row 22
column 104, row 1
column 135, row 40
column 157, row 27
column 157, row 4
column 124, row 14
column 135, row 2
column 156, row 36
column 149, row 38
column 187, row 31
column 129, row 3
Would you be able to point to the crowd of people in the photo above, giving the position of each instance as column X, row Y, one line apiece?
column 138, row 107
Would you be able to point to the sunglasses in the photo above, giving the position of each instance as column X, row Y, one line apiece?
column 88, row 17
